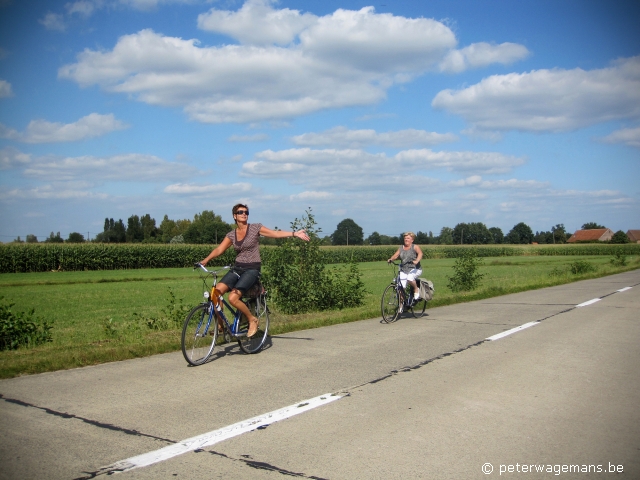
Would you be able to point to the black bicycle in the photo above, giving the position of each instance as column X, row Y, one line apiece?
column 397, row 300
column 200, row 331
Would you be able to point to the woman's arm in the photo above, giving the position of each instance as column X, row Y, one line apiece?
column 394, row 256
column 219, row 250
column 267, row 232
column 417, row 260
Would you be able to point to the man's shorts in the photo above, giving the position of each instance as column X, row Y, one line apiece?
column 241, row 280
column 411, row 276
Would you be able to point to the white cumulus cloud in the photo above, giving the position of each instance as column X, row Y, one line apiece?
column 482, row 54
column 256, row 22
column 549, row 100
column 5, row 89
column 342, row 137
column 126, row 167
column 258, row 137
column 43, row 131
column 354, row 169
column 287, row 65
column 627, row 136
column 221, row 190
column 11, row 158
column 53, row 21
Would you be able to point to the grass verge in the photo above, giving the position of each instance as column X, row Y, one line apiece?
column 99, row 316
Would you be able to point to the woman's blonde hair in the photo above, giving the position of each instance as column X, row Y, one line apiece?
column 411, row 234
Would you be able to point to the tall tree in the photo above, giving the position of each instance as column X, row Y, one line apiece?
column 347, row 232
column 496, row 233
column 446, row 236
column 119, row 232
column 75, row 237
column 149, row 229
column 559, row 233
column 167, row 229
column 134, row 229
column 471, row 234
column 54, row 239
column 374, row 239
column 620, row 237
column 206, row 227
column 591, row 226
column 520, row 234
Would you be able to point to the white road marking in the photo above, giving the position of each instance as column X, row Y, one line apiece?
column 624, row 289
column 590, row 302
column 513, row 330
column 216, row 436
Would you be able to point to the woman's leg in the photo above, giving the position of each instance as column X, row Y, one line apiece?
column 415, row 273
column 235, row 299
column 222, row 289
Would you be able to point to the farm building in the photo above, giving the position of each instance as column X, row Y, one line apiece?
column 596, row 234
column 634, row 236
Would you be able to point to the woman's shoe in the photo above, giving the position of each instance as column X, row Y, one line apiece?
column 253, row 328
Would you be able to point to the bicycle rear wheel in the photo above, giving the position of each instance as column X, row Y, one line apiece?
column 258, row 307
column 419, row 307
column 199, row 334
column 390, row 304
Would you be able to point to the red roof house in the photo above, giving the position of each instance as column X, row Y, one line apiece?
column 634, row 236
column 596, row 234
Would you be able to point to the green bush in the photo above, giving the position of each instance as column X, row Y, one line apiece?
column 557, row 272
column 21, row 329
column 619, row 260
column 581, row 266
column 298, row 280
column 466, row 276
column 173, row 314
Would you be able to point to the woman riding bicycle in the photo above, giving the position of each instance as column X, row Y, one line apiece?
column 410, row 268
column 246, row 270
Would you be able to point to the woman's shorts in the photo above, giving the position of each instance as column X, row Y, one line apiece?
column 411, row 276
column 241, row 280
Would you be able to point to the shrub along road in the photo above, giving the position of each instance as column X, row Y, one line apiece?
column 427, row 397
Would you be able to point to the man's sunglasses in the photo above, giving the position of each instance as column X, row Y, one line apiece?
column 242, row 212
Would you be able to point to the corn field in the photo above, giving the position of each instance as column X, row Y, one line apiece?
column 23, row 258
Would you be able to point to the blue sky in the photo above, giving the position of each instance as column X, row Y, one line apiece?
column 403, row 115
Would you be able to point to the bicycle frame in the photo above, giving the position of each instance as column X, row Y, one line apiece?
column 207, row 320
column 217, row 301
column 396, row 281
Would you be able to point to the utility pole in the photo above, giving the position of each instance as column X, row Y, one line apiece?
column 461, row 235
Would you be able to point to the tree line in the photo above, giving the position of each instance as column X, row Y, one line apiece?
column 349, row 232
column 209, row 228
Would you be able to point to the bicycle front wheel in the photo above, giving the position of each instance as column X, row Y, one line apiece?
column 199, row 334
column 258, row 307
column 390, row 304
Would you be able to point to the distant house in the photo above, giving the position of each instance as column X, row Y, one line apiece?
column 596, row 234
column 634, row 236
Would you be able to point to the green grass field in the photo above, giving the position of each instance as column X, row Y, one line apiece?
column 81, row 303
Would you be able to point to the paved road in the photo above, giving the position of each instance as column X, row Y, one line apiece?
column 422, row 398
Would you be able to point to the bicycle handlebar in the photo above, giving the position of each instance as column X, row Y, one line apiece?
column 204, row 269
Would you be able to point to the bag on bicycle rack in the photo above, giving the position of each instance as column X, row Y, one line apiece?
column 256, row 290
column 426, row 288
